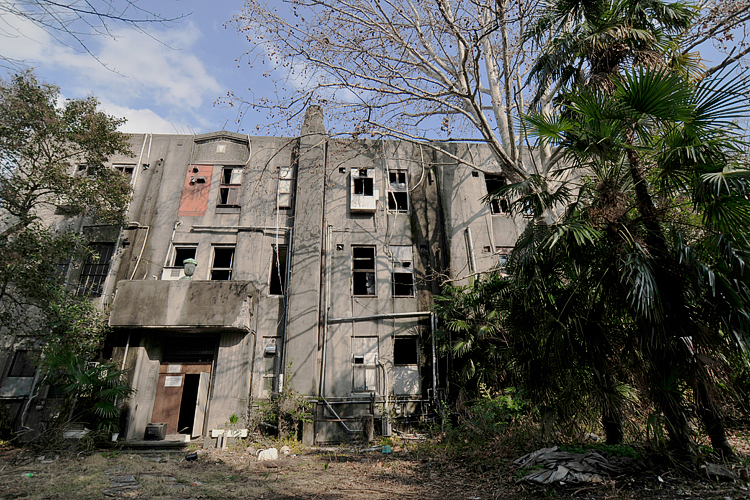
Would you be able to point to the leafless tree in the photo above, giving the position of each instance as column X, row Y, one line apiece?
column 75, row 22
column 399, row 68
column 408, row 69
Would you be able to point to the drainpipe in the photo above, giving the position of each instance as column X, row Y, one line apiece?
column 137, row 225
column 321, row 389
column 433, row 327
column 470, row 248
column 282, row 344
column 171, row 239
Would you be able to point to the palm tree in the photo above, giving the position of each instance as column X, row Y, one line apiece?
column 657, row 233
column 585, row 42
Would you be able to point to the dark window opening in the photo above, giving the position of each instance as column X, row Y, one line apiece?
column 398, row 201
column 397, row 179
column 229, row 192
column 495, row 182
column 475, row 173
column 229, row 196
column 403, row 284
column 221, row 270
column 364, row 186
column 359, row 360
column 182, row 253
column 125, row 169
column 278, row 271
column 95, row 269
column 363, row 270
column 406, row 351
column 231, row 175
column 22, row 365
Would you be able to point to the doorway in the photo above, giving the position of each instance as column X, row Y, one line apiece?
column 182, row 397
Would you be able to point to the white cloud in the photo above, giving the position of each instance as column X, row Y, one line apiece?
column 143, row 120
column 153, row 81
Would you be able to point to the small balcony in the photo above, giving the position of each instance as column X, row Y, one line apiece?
column 184, row 304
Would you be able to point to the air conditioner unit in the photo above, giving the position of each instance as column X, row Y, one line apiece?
column 364, row 196
column 172, row 273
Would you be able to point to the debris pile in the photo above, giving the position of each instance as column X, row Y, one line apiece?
column 550, row 465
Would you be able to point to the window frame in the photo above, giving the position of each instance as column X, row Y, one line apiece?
column 229, row 269
column 232, row 188
column 94, row 274
column 396, row 358
column 357, row 271
column 125, row 168
column 176, row 246
column 20, row 362
column 281, row 270
column 498, row 206
column 285, row 186
column 401, row 267
column 398, row 188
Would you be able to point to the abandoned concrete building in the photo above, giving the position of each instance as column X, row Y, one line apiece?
column 315, row 264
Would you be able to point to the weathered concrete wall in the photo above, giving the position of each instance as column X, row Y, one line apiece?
column 179, row 304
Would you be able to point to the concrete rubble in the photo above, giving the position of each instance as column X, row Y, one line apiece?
column 550, row 465
column 269, row 454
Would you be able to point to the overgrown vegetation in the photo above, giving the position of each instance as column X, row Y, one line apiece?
column 52, row 156
column 629, row 293
column 282, row 414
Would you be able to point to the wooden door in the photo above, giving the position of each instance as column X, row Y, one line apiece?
column 200, row 404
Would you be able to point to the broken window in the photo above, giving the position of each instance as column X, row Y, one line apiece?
column 363, row 193
column 364, row 364
column 398, row 192
column 286, row 180
column 221, row 268
column 406, row 351
column 402, row 273
column 363, row 270
column 181, row 253
column 229, row 191
column 493, row 183
column 363, row 186
column 278, row 271
column 95, row 269
column 125, row 169
column 22, row 365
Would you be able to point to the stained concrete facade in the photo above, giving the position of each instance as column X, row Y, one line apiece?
column 317, row 262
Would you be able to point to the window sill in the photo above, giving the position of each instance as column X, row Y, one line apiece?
column 227, row 209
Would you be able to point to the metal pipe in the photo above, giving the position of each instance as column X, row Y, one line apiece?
column 171, row 240
column 197, row 227
column 415, row 314
column 145, row 240
column 470, row 248
column 347, row 429
column 327, row 292
column 282, row 355
column 323, row 291
column 433, row 327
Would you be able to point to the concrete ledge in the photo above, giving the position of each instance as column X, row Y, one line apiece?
column 184, row 304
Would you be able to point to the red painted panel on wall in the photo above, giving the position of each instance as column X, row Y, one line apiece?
column 195, row 191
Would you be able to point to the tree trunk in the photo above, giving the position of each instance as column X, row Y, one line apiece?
column 712, row 421
column 661, row 355
column 612, row 423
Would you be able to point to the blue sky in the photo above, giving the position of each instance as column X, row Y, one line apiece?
column 165, row 83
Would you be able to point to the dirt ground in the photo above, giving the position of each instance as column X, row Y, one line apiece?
column 321, row 474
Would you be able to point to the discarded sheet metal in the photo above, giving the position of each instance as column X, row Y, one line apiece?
column 550, row 465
